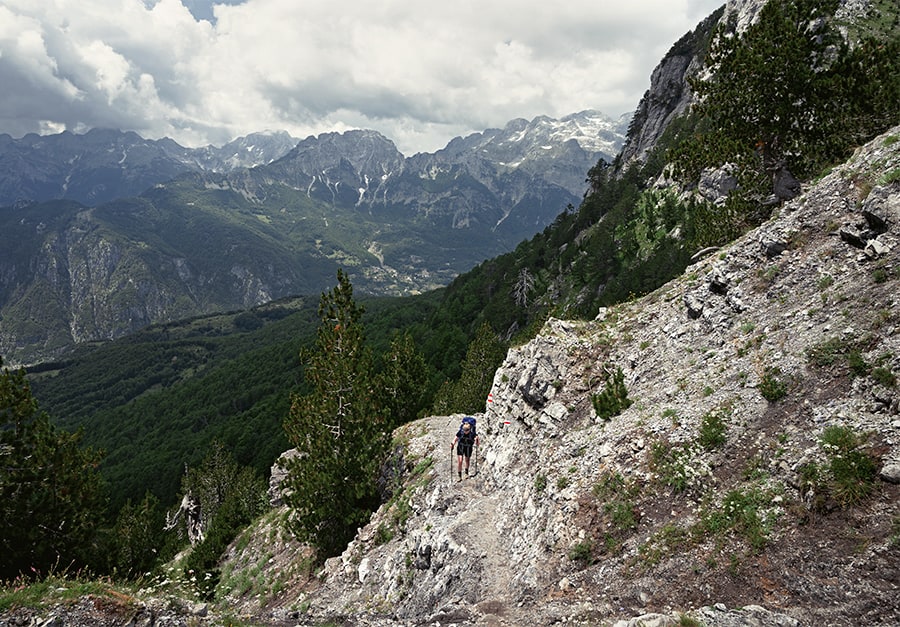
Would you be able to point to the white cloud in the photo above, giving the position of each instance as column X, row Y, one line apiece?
column 419, row 72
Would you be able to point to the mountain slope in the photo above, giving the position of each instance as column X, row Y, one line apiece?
column 722, row 470
column 729, row 438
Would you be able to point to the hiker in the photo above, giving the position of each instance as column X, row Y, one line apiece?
column 465, row 439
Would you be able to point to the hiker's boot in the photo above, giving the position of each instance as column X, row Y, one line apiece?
column 460, row 476
column 467, row 472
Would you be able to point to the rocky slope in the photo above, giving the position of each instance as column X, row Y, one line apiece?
column 700, row 495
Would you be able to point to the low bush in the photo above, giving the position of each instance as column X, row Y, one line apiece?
column 613, row 399
column 852, row 470
column 846, row 477
column 772, row 386
column 884, row 377
column 670, row 463
column 713, row 428
column 582, row 552
column 619, row 514
column 741, row 513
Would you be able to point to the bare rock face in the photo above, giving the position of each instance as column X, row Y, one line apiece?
column 668, row 97
column 710, row 489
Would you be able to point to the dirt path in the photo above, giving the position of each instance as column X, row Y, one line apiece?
column 477, row 507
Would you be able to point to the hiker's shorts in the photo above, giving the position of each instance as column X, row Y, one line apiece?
column 464, row 449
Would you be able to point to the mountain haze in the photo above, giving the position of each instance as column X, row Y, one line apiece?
column 217, row 238
column 104, row 164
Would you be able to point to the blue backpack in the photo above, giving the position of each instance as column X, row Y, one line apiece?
column 470, row 421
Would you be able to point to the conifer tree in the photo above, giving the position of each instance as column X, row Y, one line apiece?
column 337, row 429
column 230, row 497
column 138, row 536
column 402, row 382
column 468, row 393
column 789, row 92
column 51, row 495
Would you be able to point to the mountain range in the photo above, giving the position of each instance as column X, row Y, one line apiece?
column 104, row 164
column 108, row 232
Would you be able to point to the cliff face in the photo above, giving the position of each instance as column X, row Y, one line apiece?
column 715, row 488
column 670, row 94
column 71, row 277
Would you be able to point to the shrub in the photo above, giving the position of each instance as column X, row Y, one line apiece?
column 667, row 541
column 840, row 350
column 739, row 513
column 852, row 470
column 619, row 514
column 856, row 363
column 582, row 552
column 771, row 385
column 611, row 485
column 884, row 376
column 383, row 534
column 826, row 353
column 613, row 399
column 848, row 474
column 712, row 429
column 670, row 463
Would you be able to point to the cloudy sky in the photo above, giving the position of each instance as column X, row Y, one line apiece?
column 419, row 71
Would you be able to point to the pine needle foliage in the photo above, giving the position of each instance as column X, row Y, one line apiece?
column 789, row 92
column 613, row 399
column 337, row 429
column 468, row 393
column 52, row 499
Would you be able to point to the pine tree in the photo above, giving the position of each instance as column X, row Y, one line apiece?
column 230, row 497
column 789, row 92
column 138, row 537
column 402, row 384
column 523, row 287
column 468, row 393
column 51, row 495
column 337, row 429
